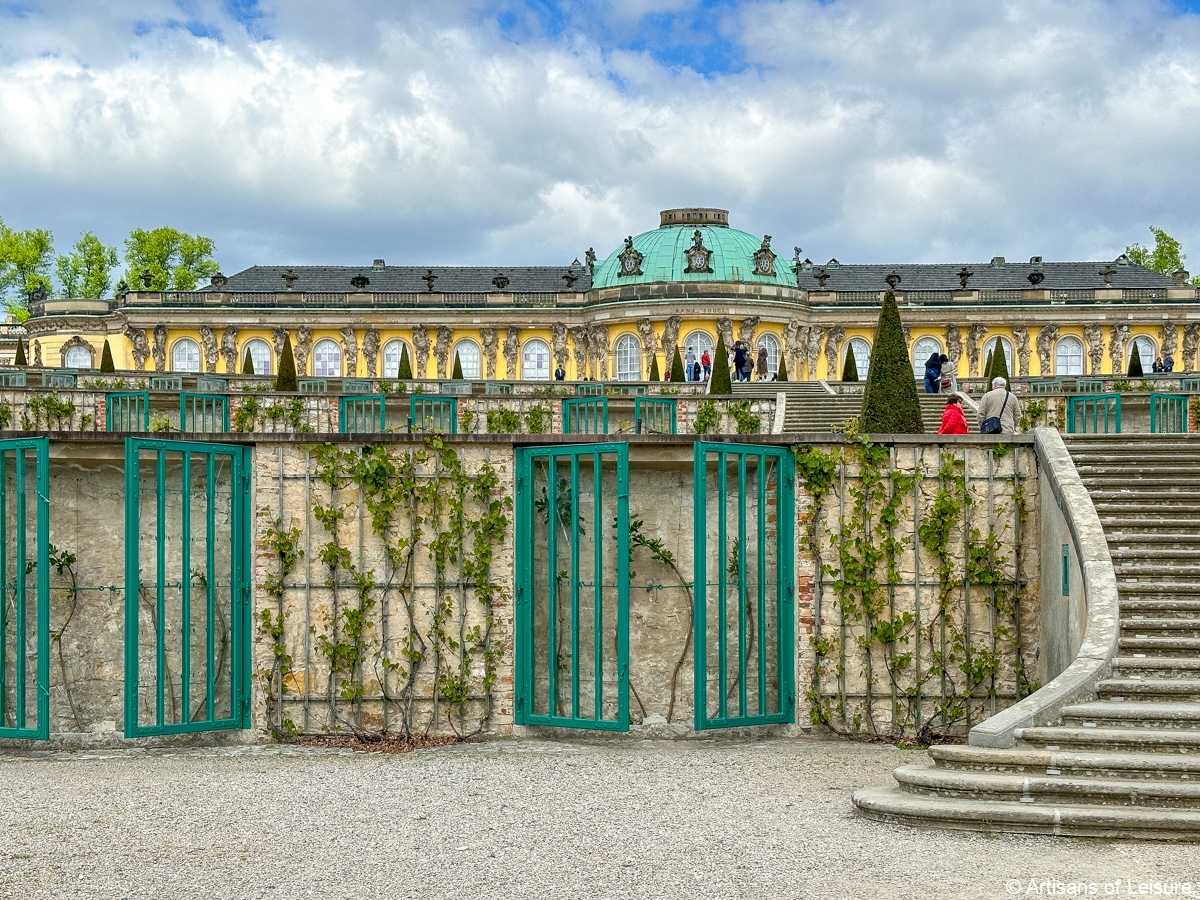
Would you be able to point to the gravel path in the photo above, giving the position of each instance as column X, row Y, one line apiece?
column 719, row 818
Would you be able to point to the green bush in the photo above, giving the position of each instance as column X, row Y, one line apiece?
column 999, row 367
column 106, row 360
column 745, row 421
column 248, row 364
column 20, row 360
column 404, row 373
column 286, row 379
column 782, row 374
column 890, row 404
column 537, row 419
column 1135, row 363
column 503, row 421
column 720, row 383
column 677, row 366
column 707, row 417
column 987, row 369
column 654, row 376
column 850, row 367
column 457, row 374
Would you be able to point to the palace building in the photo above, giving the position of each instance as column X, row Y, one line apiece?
column 682, row 284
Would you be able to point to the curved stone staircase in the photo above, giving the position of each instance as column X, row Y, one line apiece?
column 1126, row 763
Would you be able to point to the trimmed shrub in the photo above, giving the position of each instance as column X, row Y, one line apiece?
column 106, row 360
column 404, row 373
column 890, row 404
column 1135, row 363
column 457, row 374
column 987, row 369
column 781, row 375
column 850, row 367
column 720, row 383
column 248, row 364
column 20, row 359
column 677, row 366
column 1000, row 366
column 654, row 376
column 286, row 379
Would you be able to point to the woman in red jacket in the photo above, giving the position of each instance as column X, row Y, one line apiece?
column 953, row 420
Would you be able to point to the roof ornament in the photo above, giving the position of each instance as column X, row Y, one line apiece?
column 629, row 260
column 1036, row 278
column 892, row 279
column 218, row 281
column 290, row 277
column 963, row 274
column 122, row 290
column 1122, row 260
column 822, row 277
column 360, row 281
column 430, row 278
column 590, row 256
column 500, row 281
column 698, row 256
column 1181, row 276
column 1108, row 272
column 570, row 278
column 796, row 255
column 764, row 257
column 147, row 278
column 832, row 264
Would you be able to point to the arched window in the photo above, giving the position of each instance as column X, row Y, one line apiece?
column 699, row 341
column 327, row 359
column 535, row 361
column 392, row 351
column 78, row 358
column 185, row 356
column 1068, row 356
column 922, row 350
column 260, row 355
column 1005, row 345
column 1146, row 352
column 629, row 358
column 468, row 358
column 862, row 357
column 771, row 343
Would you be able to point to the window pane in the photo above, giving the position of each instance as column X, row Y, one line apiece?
column 260, row 355
column 185, row 356
column 535, row 361
column 79, row 358
column 391, row 358
column 468, row 358
column 629, row 359
column 327, row 359
column 772, row 345
column 922, row 350
column 1068, row 357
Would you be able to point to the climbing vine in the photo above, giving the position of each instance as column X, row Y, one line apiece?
column 286, row 545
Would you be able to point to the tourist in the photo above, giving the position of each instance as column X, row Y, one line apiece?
column 560, row 374
column 1157, row 366
column 999, row 409
column 760, row 368
column 689, row 365
column 933, row 373
column 706, row 364
column 949, row 381
column 1169, row 363
column 748, row 367
column 739, row 360
column 953, row 420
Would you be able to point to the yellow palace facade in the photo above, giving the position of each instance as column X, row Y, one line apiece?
column 683, row 284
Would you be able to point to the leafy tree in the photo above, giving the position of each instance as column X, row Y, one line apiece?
column 25, row 259
column 720, row 383
column 106, row 360
column 654, row 375
column 781, row 375
column 404, row 372
column 176, row 261
column 286, row 379
column 677, row 366
column 890, row 404
column 248, row 364
column 850, row 367
column 1167, row 256
column 84, row 272
column 457, row 374
column 1135, row 363
column 20, row 361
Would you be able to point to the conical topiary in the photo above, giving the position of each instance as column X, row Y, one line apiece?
column 677, row 366
column 456, row 373
column 999, row 366
column 720, row 383
column 20, row 358
column 987, row 368
column 106, row 360
column 286, row 379
column 782, row 374
column 890, row 404
column 405, row 371
column 654, row 376
column 850, row 367
column 248, row 364
column 1135, row 363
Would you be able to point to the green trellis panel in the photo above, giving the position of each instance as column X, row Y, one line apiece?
column 12, row 379
column 187, row 587
column 655, row 415
column 428, row 413
column 572, row 649
column 744, row 594
column 203, row 412
column 1168, row 413
column 355, row 386
column 313, row 385
column 25, row 581
column 590, row 389
column 127, row 411
column 172, row 383
column 585, row 415
column 365, row 414
column 1097, row 414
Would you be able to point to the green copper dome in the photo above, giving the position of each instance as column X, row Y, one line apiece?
column 665, row 254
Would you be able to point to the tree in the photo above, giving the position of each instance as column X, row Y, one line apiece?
column 286, row 379
column 84, row 272
column 1167, row 257
column 850, row 367
column 248, row 364
column 25, row 259
column 654, row 376
column 677, row 366
column 987, row 368
column 456, row 373
column 176, row 261
column 20, row 361
column 890, row 404
column 1000, row 366
column 106, row 360
column 404, row 372
column 1135, row 363
column 781, row 375
column 720, row 383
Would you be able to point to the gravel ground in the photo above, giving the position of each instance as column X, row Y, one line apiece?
column 721, row 818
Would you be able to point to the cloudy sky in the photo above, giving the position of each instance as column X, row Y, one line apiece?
column 501, row 133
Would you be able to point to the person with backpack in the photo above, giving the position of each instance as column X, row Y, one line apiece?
column 933, row 373
column 999, row 409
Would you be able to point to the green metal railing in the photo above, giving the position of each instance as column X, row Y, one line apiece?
column 498, row 387
column 655, row 415
column 743, row 501
column 1168, row 413
column 187, row 587
column 355, row 386
column 1046, row 386
column 59, row 380
column 1097, row 414
column 362, row 414
column 172, row 383
column 590, row 389
column 585, row 415
column 207, row 384
column 12, row 379
column 432, row 414
column 25, row 581
column 127, row 411
column 1089, row 385
column 203, row 412
column 313, row 385
column 1190, row 385
column 456, row 388
column 572, row 645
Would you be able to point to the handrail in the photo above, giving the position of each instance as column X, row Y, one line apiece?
column 1094, row 660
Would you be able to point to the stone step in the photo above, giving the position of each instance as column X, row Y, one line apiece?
column 1180, row 606
column 1128, row 740
column 1160, row 627
column 1157, row 666
column 1070, row 763
column 1159, row 568
column 1151, row 540
column 1123, row 549
column 1134, row 589
column 1158, row 646
column 1132, row 714
column 899, row 807
column 1156, row 689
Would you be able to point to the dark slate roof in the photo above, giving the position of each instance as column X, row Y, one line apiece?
column 987, row 277
column 409, row 279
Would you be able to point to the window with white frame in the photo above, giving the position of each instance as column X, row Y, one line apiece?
column 862, row 357
column 392, row 352
column 327, row 359
column 468, row 358
column 260, row 355
column 1146, row 352
column 699, row 341
column 1068, row 356
column 922, row 350
column 629, row 358
column 535, row 361
column 771, row 344
column 185, row 356
column 78, row 358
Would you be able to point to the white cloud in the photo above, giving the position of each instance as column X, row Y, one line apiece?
column 862, row 129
